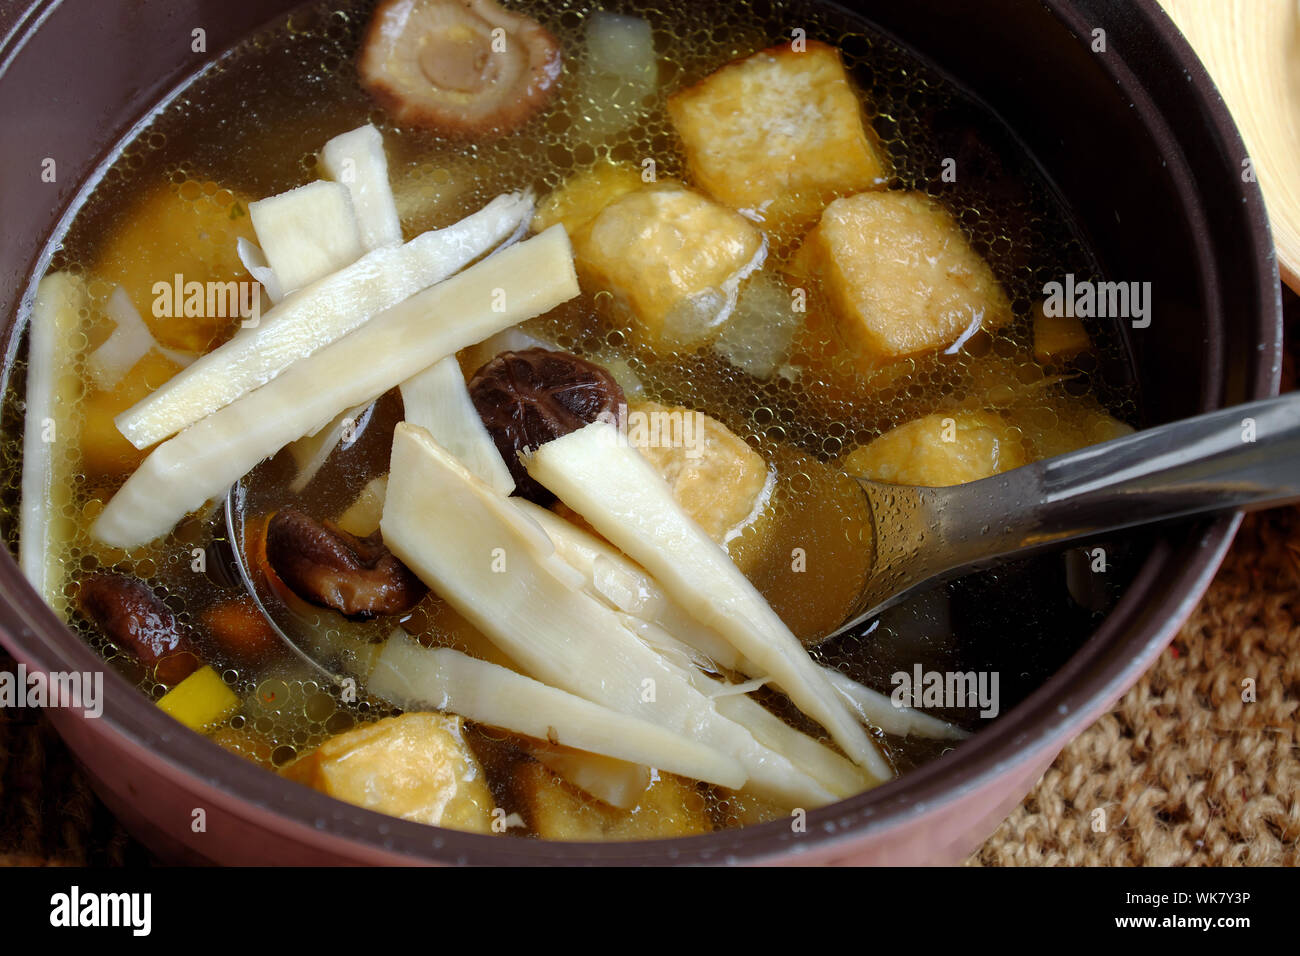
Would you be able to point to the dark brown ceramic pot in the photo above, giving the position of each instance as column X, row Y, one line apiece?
column 1136, row 139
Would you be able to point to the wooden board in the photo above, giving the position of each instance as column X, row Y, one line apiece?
column 1252, row 50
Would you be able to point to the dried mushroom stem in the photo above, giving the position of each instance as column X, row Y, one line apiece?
column 136, row 620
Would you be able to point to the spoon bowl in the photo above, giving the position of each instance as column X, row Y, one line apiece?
column 1242, row 457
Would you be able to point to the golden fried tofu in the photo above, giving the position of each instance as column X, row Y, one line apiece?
column 190, row 231
column 1058, row 338
column 779, row 134
column 669, row 807
column 717, row 479
column 946, row 448
column 582, row 196
column 900, row 275
column 1075, row 423
column 674, row 257
column 416, row 766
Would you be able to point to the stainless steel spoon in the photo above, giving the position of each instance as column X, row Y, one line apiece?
column 1246, row 456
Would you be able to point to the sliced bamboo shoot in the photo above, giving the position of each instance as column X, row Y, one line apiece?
column 362, row 517
column 628, row 588
column 129, row 342
column 181, row 474
column 664, row 625
column 415, row 677
column 612, row 485
column 878, row 710
column 307, row 233
column 486, row 559
column 255, row 262
column 356, row 159
column 840, row 776
column 318, row 315
column 438, row 401
column 616, row 782
column 312, row 451
column 52, row 388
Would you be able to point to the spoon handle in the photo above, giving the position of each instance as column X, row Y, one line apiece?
column 1246, row 456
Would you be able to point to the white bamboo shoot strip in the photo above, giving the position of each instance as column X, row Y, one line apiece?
column 878, row 710
column 201, row 463
column 840, row 776
column 318, row 315
column 630, row 589
column 129, row 342
column 52, row 388
column 662, row 623
column 356, row 159
column 617, row 782
column 452, row 530
column 307, row 233
column 312, row 451
column 616, row 489
column 362, row 516
column 438, row 401
column 414, row 677
column 255, row 262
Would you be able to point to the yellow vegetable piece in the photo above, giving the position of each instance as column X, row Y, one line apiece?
column 1058, row 338
column 416, row 766
column 669, row 807
column 200, row 700
column 946, row 448
column 189, row 230
column 103, row 449
column 583, row 195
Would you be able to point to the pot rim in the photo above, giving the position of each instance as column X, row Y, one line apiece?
column 1090, row 681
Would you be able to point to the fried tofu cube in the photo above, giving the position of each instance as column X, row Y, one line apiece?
column 188, row 230
column 1077, row 423
column 900, row 275
column 1058, row 338
column 416, row 766
column 779, row 134
column 674, row 257
column 940, row 449
column 669, row 807
column 583, row 195
column 715, row 476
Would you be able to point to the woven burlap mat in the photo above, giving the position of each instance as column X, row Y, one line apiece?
column 1183, row 770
